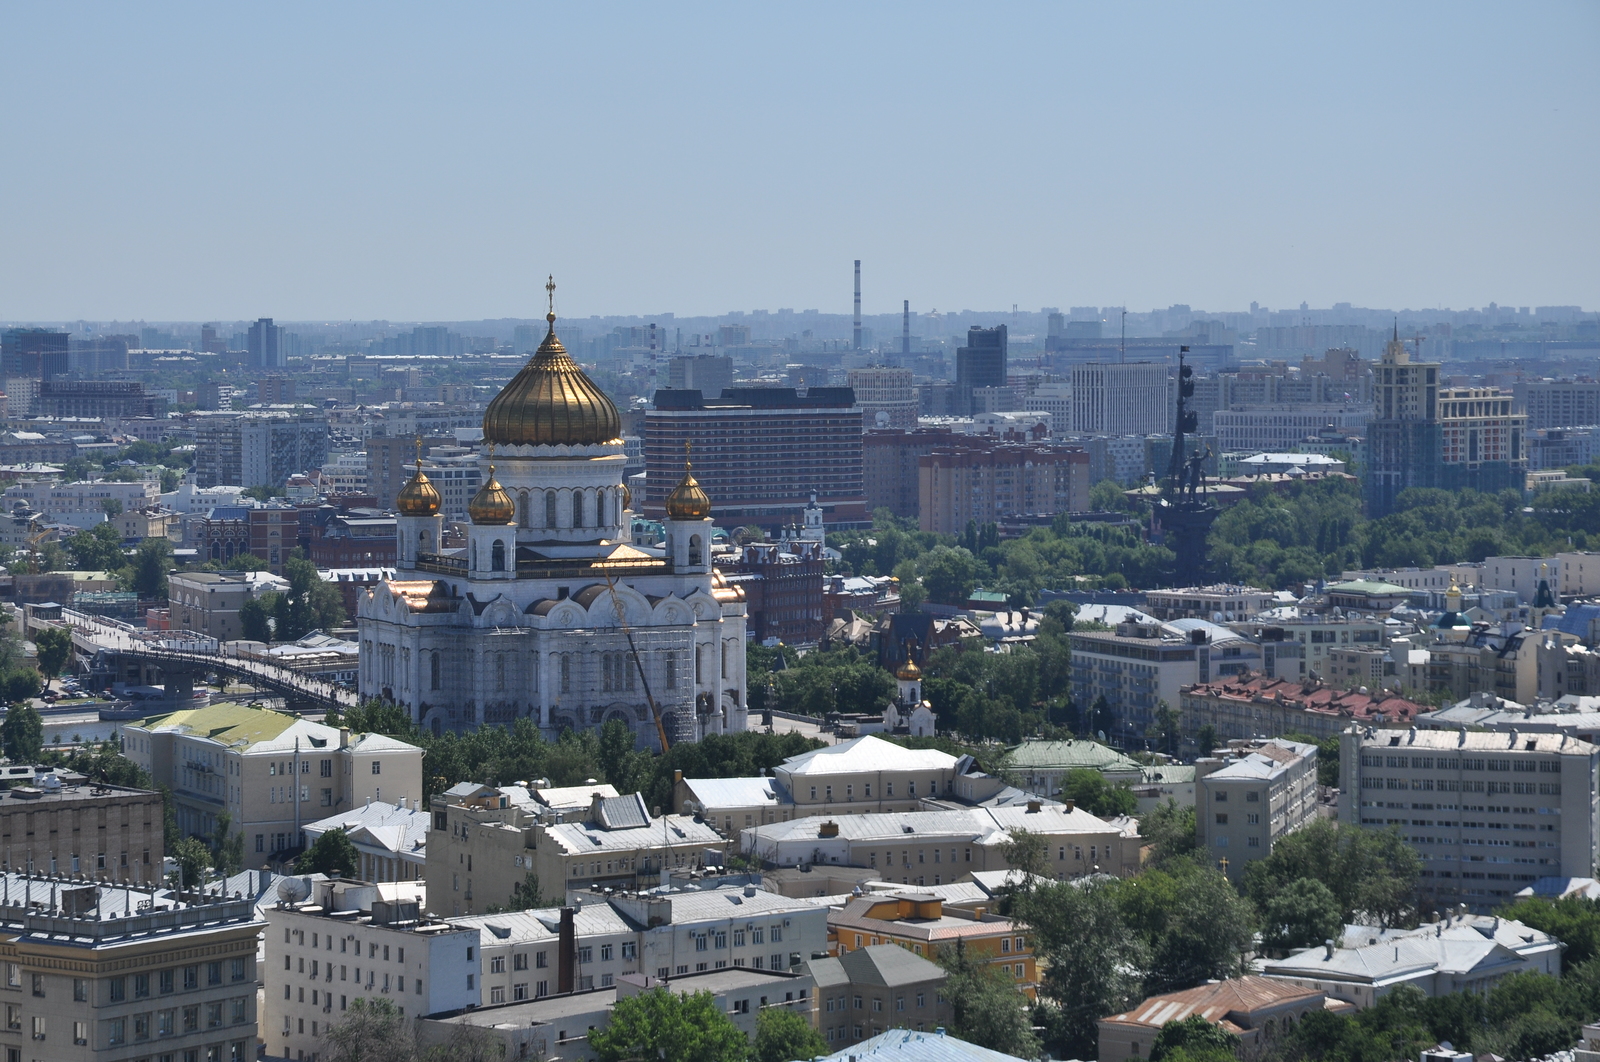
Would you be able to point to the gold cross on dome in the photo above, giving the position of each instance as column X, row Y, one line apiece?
column 550, row 293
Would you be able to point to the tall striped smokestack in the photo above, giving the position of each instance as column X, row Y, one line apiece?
column 905, row 329
column 858, row 304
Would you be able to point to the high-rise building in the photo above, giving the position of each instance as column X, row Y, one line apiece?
column 981, row 363
column 887, row 397
column 37, row 353
column 889, row 466
column 1116, row 399
column 263, row 344
column 977, row 480
column 258, row 451
column 706, row 373
column 1561, row 403
column 1425, row 435
column 760, row 452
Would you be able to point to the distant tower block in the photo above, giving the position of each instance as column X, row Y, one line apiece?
column 905, row 328
column 858, row 305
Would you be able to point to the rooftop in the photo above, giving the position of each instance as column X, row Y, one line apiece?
column 1068, row 755
column 865, row 755
column 1216, row 1003
column 906, row 1045
column 884, row 965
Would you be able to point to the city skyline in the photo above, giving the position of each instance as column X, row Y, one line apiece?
column 372, row 164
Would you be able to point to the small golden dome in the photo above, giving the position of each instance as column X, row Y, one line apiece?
column 419, row 497
column 909, row 671
column 551, row 402
column 687, row 500
column 492, row 505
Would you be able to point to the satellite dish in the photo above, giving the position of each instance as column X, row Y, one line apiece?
column 293, row 890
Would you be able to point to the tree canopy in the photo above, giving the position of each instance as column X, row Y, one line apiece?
column 332, row 854
column 670, row 1027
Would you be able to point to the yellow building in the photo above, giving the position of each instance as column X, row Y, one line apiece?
column 917, row 921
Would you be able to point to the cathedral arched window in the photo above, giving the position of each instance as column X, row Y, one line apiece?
column 422, row 540
column 550, row 508
column 524, row 510
column 474, row 556
column 435, row 681
column 577, row 508
column 500, row 671
column 566, row 673
column 672, row 669
column 726, row 646
column 497, row 556
column 699, row 664
column 695, row 549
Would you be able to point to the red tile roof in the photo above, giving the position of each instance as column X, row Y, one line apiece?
column 1311, row 697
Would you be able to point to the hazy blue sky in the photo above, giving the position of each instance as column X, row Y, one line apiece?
column 435, row 161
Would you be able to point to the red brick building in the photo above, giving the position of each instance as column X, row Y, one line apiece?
column 889, row 466
column 976, row 479
column 783, row 585
column 353, row 541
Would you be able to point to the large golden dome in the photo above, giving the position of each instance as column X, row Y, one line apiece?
column 551, row 402
column 419, row 497
column 492, row 505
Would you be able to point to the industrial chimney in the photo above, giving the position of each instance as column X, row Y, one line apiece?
column 858, row 304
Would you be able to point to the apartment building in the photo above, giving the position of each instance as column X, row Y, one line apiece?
column 105, row 833
column 1523, row 576
column 82, row 503
column 864, row 991
column 272, row 773
column 1302, row 644
column 1283, row 428
column 691, row 931
column 982, row 481
column 924, row 848
column 1140, row 665
column 486, row 841
column 1116, row 399
column 887, row 391
column 1249, row 795
column 1252, row 705
column 95, row 971
column 208, row 603
column 255, row 450
column 889, row 466
column 1560, row 403
column 1488, row 813
column 329, row 943
column 551, row 951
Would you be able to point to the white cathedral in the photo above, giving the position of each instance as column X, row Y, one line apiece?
column 549, row 613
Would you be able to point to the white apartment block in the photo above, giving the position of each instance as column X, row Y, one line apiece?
column 1283, row 428
column 1488, row 813
column 1439, row 577
column 1522, row 575
column 330, row 943
column 1580, row 574
column 82, row 503
column 1132, row 399
column 1249, row 795
column 696, row 931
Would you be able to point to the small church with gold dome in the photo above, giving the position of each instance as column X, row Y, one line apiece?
column 548, row 613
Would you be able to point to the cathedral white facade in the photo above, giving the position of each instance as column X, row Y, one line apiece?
column 548, row 613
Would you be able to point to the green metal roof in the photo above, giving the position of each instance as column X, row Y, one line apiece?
column 1068, row 755
column 231, row 724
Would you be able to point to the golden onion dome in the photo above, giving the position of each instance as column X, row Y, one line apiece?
column 419, row 497
column 551, row 402
column 492, row 505
column 687, row 500
column 909, row 671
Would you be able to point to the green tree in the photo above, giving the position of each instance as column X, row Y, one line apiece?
column 227, row 846
column 332, row 854
column 1089, row 957
column 372, row 1030
column 23, row 732
column 1090, row 791
column 112, row 507
column 98, row 549
column 255, row 618
column 1301, row 916
column 55, row 646
column 263, row 493
column 1169, row 829
column 1195, row 925
column 193, row 857
column 986, row 1007
column 151, row 562
column 310, row 604
column 1574, row 921
column 1028, row 852
column 1371, row 873
column 949, row 575
column 1194, row 1040
column 22, row 684
column 669, row 1027
column 783, row 1036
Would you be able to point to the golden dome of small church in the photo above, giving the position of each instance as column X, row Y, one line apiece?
column 532, row 617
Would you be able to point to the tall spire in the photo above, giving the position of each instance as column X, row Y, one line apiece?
column 550, row 293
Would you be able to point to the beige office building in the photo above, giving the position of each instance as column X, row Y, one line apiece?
column 273, row 773
column 112, row 972
column 1249, row 795
column 107, row 833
